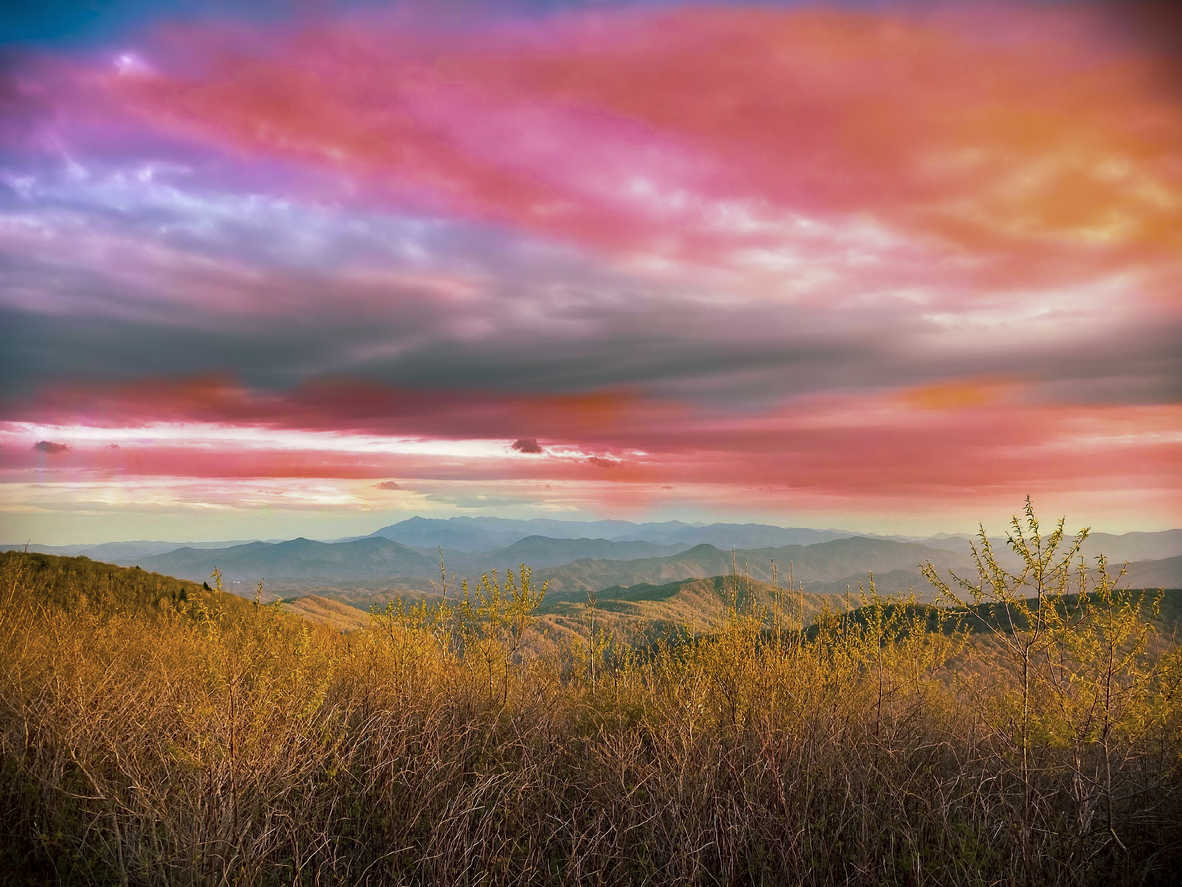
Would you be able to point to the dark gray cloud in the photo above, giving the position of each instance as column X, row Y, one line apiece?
column 700, row 354
column 46, row 446
column 527, row 445
column 272, row 293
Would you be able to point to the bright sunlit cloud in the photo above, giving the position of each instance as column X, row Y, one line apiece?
column 865, row 263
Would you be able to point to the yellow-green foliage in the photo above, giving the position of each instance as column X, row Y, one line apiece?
column 1029, row 732
column 1079, row 692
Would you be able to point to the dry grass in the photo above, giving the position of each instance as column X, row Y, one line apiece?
column 165, row 743
column 325, row 611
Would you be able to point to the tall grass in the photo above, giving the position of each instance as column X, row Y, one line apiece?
column 173, row 743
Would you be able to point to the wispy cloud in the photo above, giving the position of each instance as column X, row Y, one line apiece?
column 820, row 253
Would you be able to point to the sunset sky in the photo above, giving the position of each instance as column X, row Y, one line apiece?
column 308, row 268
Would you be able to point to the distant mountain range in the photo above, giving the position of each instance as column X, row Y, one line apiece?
column 1159, row 573
column 542, row 551
column 824, row 567
column 368, row 558
column 483, row 534
column 490, row 534
column 124, row 554
column 577, row 556
column 1133, row 546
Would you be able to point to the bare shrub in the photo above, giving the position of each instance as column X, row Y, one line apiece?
column 1028, row 732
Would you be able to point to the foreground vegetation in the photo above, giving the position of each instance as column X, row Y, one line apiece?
column 1029, row 731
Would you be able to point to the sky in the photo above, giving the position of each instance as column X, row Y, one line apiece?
column 310, row 268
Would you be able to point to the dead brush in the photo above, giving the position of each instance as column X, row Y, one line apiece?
column 879, row 746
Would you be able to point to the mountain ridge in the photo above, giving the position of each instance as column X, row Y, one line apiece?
column 581, row 564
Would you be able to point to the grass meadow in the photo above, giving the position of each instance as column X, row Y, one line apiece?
column 1028, row 730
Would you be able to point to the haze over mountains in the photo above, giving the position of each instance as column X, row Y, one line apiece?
column 824, row 567
column 486, row 534
column 578, row 557
column 367, row 558
column 477, row 534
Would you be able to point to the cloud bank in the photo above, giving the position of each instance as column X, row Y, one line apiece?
column 825, row 261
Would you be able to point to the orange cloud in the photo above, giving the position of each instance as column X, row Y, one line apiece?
column 1024, row 149
column 930, row 444
column 959, row 395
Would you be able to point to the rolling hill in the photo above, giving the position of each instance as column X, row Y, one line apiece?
column 123, row 554
column 366, row 558
column 641, row 613
column 825, row 567
column 79, row 584
column 1162, row 573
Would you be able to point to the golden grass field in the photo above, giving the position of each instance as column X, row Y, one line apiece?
column 1027, row 731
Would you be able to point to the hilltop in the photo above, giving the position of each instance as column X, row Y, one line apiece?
column 80, row 585
column 155, row 730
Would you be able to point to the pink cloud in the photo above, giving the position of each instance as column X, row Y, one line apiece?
column 928, row 444
column 347, row 405
column 985, row 189
column 703, row 134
